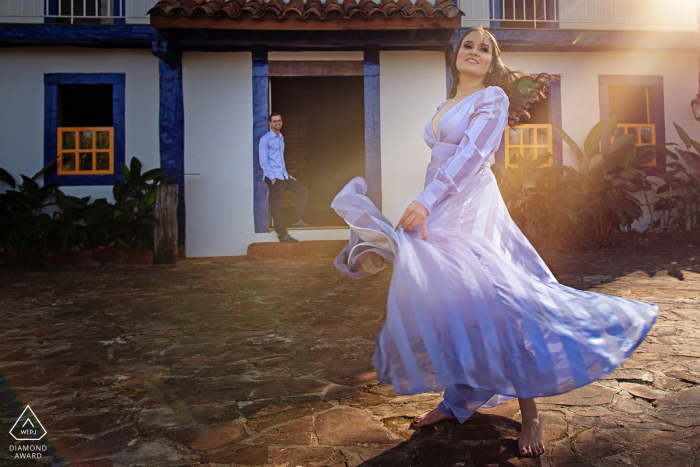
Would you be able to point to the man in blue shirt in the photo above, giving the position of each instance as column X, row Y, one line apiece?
column 278, row 180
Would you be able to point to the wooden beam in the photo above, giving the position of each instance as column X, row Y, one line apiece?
column 566, row 40
column 315, row 68
column 295, row 24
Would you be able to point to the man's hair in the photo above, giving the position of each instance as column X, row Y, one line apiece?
column 273, row 114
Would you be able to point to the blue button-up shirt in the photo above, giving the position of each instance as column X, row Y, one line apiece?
column 271, row 154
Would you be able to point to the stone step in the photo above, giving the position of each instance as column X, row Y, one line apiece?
column 300, row 250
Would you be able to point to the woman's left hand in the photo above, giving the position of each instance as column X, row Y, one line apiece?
column 414, row 215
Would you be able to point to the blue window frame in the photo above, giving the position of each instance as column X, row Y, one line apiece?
column 51, row 83
column 655, row 101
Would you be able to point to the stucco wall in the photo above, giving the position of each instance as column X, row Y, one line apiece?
column 579, row 86
column 218, row 98
column 412, row 85
column 22, row 104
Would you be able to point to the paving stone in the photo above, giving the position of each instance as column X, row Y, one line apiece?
column 110, row 443
column 670, row 383
column 596, row 444
column 640, row 390
column 679, row 415
column 689, row 396
column 631, row 406
column 631, row 374
column 563, row 457
column 262, row 415
column 161, row 417
column 209, row 438
column 284, row 438
column 587, row 395
column 198, row 346
column 307, row 456
column 349, row 427
column 339, row 392
column 287, row 387
column 250, row 455
column 148, row 453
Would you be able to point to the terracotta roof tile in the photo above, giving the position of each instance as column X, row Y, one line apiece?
column 305, row 9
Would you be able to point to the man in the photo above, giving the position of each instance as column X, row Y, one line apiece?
column 278, row 180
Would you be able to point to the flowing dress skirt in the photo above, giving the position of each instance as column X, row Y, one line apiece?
column 475, row 311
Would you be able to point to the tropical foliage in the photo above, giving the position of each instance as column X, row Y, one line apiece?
column 43, row 218
column 609, row 190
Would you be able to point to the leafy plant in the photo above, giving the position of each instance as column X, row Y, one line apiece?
column 25, row 224
column 597, row 198
column 679, row 191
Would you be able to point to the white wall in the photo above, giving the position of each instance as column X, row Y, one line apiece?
column 22, row 104
column 579, row 88
column 218, row 97
column 412, row 85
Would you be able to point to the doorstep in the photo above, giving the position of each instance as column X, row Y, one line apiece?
column 300, row 250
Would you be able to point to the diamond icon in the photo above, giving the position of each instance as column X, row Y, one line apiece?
column 28, row 427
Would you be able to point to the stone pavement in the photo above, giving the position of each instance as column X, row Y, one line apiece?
column 263, row 363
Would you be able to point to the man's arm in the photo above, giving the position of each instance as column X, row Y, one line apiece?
column 264, row 158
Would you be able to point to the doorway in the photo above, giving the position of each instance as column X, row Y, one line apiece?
column 324, row 135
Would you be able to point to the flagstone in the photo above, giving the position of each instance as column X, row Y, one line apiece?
column 349, row 426
column 222, row 362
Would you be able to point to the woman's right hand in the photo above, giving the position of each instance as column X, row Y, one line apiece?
column 414, row 215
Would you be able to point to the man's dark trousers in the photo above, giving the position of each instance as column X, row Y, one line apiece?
column 276, row 195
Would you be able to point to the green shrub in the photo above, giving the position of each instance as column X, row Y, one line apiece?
column 77, row 224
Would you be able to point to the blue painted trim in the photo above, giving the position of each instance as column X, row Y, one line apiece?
column 373, row 147
column 51, row 82
column 261, row 110
column 119, row 9
column 172, row 133
column 657, row 84
column 562, row 40
column 555, row 117
column 77, row 33
column 84, row 78
column 495, row 12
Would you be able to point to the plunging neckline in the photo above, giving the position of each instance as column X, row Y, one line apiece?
column 436, row 130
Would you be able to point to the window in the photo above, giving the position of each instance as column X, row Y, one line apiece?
column 536, row 136
column 85, row 11
column 634, row 108
column 85, row 150
column 637, row 102
column 523, row 14
column 85, row 132
column 84, row 128
column 529, row 141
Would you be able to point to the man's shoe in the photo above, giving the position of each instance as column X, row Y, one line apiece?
column 288, row 239
column 301, row 223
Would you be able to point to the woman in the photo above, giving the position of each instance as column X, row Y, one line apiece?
column 472, row 307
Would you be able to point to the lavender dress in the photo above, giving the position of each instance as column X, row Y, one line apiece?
column 474, row 310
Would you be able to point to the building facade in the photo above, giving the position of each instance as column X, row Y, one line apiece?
column 187, row 86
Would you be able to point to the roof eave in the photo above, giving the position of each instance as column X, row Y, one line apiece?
column 310, row 24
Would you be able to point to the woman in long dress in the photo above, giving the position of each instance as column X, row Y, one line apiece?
column 472, row 308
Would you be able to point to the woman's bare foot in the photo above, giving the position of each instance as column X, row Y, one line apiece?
column 429, row 418
column 531, row 443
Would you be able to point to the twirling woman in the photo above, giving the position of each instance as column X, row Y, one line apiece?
column 472, row 308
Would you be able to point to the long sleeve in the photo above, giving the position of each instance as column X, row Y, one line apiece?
column 264, row 157
column 482, row 137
